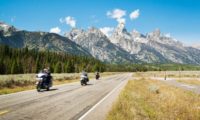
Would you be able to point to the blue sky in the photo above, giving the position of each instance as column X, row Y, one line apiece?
column 180, row 18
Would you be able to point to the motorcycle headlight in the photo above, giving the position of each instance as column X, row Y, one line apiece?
column 39, row 79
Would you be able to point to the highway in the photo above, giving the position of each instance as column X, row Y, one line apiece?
column 65, row 102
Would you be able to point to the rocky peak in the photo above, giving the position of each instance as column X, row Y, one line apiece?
column 138, row 37
column 156, row 32
column 154, row 35
column 120, row 34
column 75, row 32
column 135, row 34
column 96, row 31
column 6, row 29
column 120, row 29
column 4, row 26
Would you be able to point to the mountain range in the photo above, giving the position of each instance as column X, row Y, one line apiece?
column 38, row 40
column 120, row 47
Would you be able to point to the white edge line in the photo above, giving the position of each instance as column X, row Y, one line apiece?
column 81, row 118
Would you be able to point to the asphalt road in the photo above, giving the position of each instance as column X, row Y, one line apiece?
column 64, row 102
column 172, row 81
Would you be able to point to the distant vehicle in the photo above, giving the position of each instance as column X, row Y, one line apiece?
column 43, row 81
column 97, row 75
column 84, row 78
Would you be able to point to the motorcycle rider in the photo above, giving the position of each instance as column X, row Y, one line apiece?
column 48, row 75
column 45, row 76
column 97, row 75
column 85, row 74
column 84, row 78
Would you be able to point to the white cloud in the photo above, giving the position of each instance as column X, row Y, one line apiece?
column 55, row 30
column 117, row 14
column 107, row 30
column 135, row 14
column 69, row 21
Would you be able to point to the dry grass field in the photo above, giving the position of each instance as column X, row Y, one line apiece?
column 153, row 100
column 147, row 99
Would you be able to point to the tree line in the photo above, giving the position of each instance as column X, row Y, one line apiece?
column 144, row 67
column 23, row 60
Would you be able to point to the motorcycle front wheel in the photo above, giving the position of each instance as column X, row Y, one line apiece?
column 38, row 88
column 82, row 83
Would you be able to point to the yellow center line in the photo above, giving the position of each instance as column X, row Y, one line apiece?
column 3, row 112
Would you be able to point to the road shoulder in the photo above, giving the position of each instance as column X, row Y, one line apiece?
column 100, row 109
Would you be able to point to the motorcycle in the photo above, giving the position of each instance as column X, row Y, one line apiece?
column 97, row 76
column 43, row 81
column 84, row 79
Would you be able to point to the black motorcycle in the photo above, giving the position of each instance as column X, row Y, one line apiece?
column 43, row 82
column 97, row 76
column 84, row 79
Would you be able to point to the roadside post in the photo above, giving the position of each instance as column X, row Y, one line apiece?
column 179, row 73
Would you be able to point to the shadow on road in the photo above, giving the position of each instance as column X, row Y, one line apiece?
column 53, row 89
column 89, row 84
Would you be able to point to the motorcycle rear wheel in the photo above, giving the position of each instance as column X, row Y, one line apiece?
column 47, row 88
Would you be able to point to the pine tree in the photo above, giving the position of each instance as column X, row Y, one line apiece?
column 37, row 66
column 58, row 68
column 2, row 67
column 95, row 68
column 70, row 67
column 14, row 67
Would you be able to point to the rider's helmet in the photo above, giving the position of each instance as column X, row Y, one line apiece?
column 45, row 70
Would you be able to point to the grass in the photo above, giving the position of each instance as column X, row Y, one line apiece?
column 14, row 89
column 21, row 82
column 153, row 100
column 191, row 82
